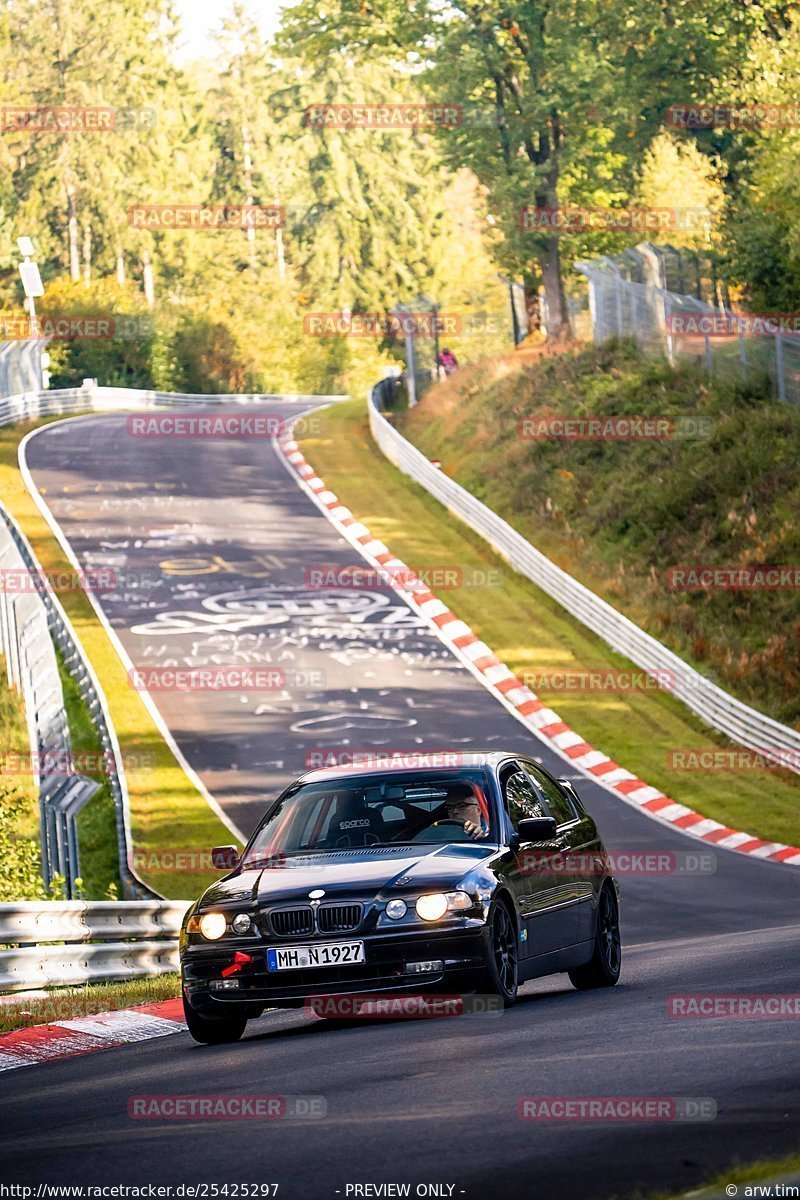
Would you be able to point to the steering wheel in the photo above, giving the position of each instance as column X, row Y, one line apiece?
column 423, row 834
column 410, row 811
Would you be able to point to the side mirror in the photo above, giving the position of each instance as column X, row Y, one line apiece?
column 537, row 829
column 225, row 858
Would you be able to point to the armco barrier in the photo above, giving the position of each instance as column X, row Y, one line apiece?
column 74, row 942
column 715, row 707
column 32, row 666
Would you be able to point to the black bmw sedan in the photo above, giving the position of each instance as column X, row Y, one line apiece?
column 444, row 874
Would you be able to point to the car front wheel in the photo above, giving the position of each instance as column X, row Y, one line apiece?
column 603, row 968
column 502, row 966
column 227, row 1028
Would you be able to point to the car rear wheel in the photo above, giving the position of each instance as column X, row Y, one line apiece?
column 603, row 968
column 208, row 1032
column 502, row 966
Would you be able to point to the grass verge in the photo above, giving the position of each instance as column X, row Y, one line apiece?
column 20, row 849
column 167, row 811
column 530, row 632
column 21, row 1012
column 740, row 1174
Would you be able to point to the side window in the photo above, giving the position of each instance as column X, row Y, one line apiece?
column 558, row 801
column 519, row 795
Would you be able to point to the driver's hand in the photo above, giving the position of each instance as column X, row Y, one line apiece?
column 474, row 831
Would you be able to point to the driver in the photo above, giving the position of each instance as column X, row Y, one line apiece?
column 463, row 807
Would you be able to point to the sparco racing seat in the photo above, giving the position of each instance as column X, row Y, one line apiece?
column 354, row 823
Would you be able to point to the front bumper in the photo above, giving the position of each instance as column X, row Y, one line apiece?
column 462, row 952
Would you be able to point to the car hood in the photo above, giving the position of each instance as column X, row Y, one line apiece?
column 347, row 872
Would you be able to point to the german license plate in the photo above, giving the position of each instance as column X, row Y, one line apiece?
column 325, row 954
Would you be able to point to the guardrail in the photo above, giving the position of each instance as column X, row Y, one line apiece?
column 75, row 942
column 60, row 797
column 28, row 406
column 21, row 365
column 32, row 666
column 712, row 704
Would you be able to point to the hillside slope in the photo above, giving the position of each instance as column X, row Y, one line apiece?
column 620, row 515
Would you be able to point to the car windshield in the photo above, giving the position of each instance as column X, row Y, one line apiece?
column 353, row 813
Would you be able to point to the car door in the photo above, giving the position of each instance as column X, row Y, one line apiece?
column 575, row 862
column 544, row 923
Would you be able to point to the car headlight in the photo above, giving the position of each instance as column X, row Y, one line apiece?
column 434, row 906
column 212, row 925
column 241, row 923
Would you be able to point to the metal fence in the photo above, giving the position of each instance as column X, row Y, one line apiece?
column 626, row 303
column 74, row 942
column 714, row 706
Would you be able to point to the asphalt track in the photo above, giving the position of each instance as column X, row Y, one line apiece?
column 230, row 539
